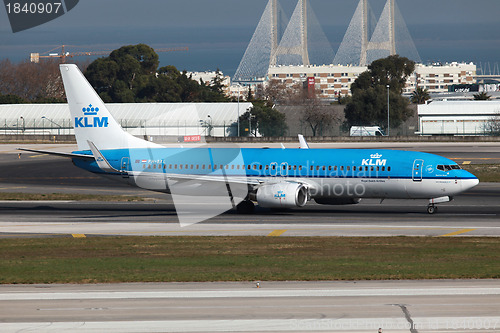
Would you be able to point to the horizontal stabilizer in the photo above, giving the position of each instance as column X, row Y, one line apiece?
column 70, row 155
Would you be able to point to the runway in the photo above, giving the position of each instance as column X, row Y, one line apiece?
column 394, row 306
column 475, row 213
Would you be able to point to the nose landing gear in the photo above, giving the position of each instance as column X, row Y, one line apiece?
column 432, row 208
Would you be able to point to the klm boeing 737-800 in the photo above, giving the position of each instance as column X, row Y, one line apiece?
column 274, row 178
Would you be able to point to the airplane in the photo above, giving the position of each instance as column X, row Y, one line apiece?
column 275, row 178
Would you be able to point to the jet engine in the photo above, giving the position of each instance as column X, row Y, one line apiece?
column 282, row 195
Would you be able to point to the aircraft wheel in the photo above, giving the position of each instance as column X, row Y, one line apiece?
column 431, row 209
column 245, row 207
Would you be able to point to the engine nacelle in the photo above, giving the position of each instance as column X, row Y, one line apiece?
column 282, row 195
column 337, row 201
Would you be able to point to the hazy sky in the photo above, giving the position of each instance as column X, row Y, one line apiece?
column 217, row 31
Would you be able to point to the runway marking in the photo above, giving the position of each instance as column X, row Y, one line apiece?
column 78, row 235
column 277, row 233
column 466, row 162
column 12, row 188
column 247, row 293
column 462, row 231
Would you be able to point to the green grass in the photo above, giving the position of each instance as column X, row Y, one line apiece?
column 14, row 196
column 484, row 172
column 162, row 259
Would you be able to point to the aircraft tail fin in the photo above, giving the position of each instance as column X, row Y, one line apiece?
column 91, row 119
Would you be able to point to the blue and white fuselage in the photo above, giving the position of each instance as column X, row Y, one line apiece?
column 328, row 174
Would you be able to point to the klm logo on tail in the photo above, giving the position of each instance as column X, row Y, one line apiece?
column 88, row 121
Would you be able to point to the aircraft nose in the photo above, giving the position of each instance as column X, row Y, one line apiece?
column 467, row 184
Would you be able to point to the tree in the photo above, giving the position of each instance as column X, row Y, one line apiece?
column 263, row 119
column 368, row 105
column 482, row 96
column 130, row 75
column 420, row 96
column 31, row 81
column 11, row 99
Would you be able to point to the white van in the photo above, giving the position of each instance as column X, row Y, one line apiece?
column 366, row 131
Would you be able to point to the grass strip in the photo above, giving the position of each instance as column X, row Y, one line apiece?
column 489, row 173
column 164, row 259
column 14, row 196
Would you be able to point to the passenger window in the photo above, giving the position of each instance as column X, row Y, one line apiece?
column 388, row 168
column 175, row 166
column 267, row 167
column 335, row 168
column 349, row 168
column 383, row 168
column 232, row 166
column 354, row 168
column 312, row 168
column 300, row 167
column 341, row 168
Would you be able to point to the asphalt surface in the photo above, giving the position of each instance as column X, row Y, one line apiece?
column 394, row 306
column 474, row 213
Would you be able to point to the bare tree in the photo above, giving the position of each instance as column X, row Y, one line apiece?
column 32, row 81
column 492, row 126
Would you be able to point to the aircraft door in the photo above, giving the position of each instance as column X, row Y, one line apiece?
column 125, row 167
column 273, row 169
column 417, row 170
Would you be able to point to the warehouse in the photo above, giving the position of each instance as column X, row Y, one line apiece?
column 157, row 121
column 458, row 117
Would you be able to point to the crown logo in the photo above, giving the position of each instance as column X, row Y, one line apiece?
column 377, row 155
column 90, row 110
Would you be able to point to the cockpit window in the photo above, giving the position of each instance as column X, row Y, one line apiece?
column 448, row 167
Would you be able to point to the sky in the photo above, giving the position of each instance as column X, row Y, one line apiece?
column 218, row 31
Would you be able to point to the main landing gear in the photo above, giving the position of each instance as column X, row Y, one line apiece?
column 432, row 208
column 245, row 207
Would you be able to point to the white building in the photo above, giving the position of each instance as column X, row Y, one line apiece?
column 437, row 78
column 140, row 119
column 208, row 76
column 333, row 81
column 457, row 117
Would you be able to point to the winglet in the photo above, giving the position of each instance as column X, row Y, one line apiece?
column 303, row 142
column 100, row 159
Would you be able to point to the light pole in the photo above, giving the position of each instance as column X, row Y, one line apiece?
column 24, row 124
column 209, row 124
column 388, row 119
column 59, row 126
column 239, row 109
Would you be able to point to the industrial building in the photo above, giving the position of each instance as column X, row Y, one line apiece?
column 156, row 121
column 458, row 117
column 334, row 81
